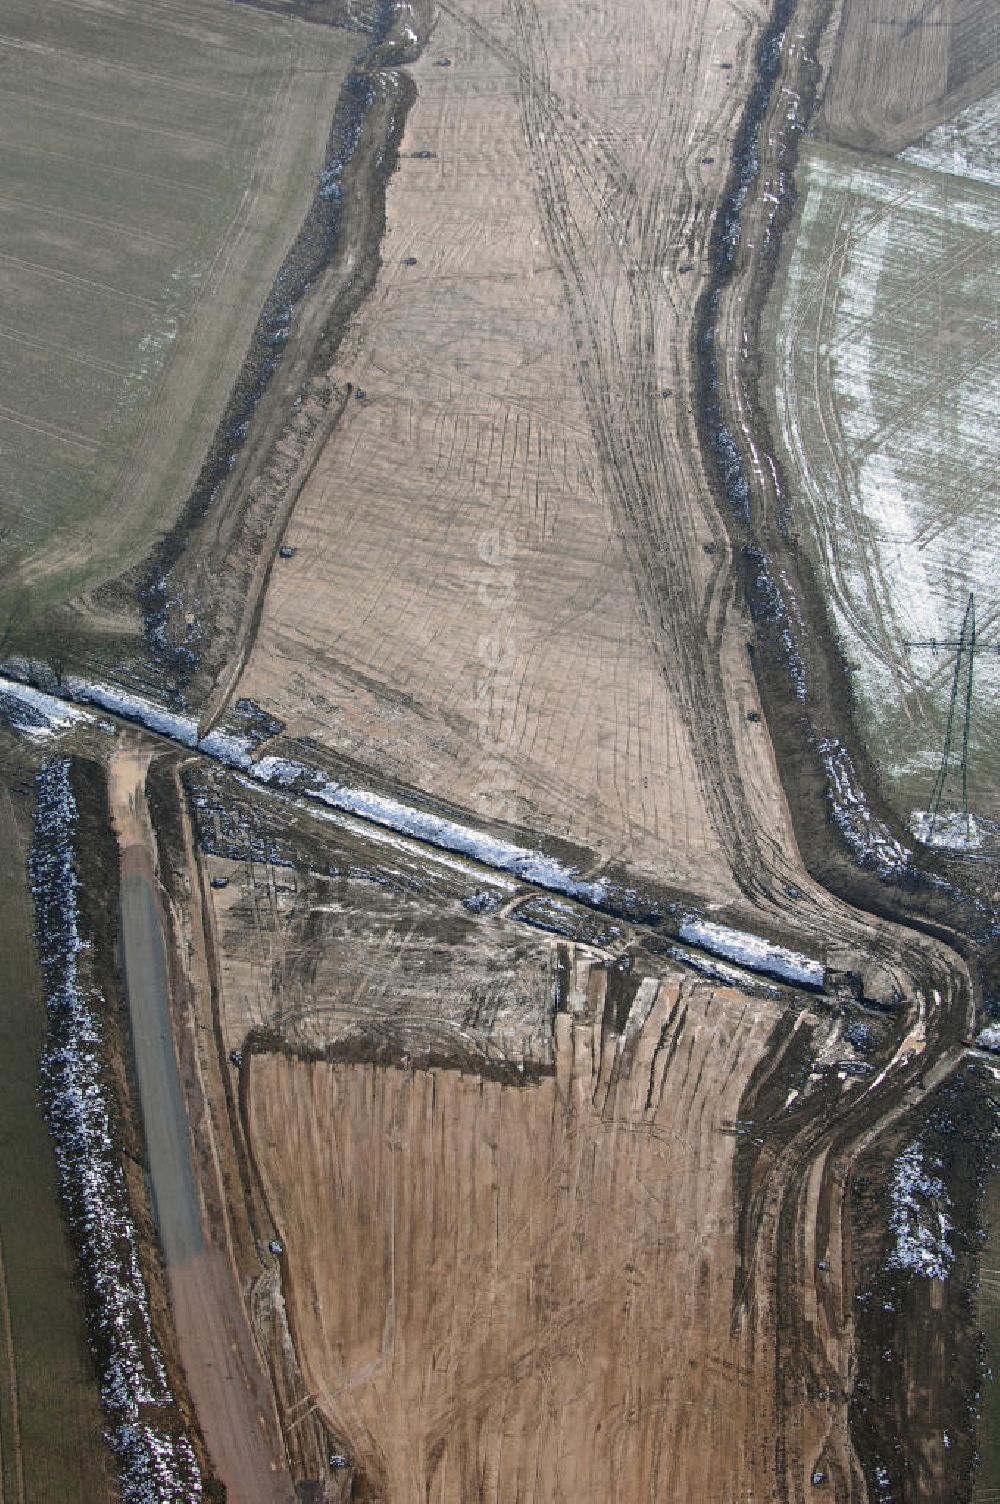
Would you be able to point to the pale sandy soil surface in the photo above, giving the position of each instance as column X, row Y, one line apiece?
column 489, row 544
column 526, row 1292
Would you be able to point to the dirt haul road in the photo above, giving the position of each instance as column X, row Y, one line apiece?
column 221, row 1364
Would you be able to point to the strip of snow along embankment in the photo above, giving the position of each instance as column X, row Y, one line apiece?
column 32, row 707
column 870, row 839
column 449, row 835
column 130, row 707
column 753, row 952
column 236, row 752
column 34, row 713
column 156, row 1463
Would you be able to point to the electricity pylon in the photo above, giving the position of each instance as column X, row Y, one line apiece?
column 956, row 749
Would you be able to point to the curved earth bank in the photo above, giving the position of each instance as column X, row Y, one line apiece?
column 913, row 1374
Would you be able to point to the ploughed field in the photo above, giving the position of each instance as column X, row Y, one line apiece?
column 511, row 1291
column 882, row 373
column 156, row 166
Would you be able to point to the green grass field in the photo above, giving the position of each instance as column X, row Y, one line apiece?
column 156, row 165
column 883, row 369
column 51, row 1447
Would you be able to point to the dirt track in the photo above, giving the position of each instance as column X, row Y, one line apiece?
column 222, row 1366
column 174, row 1195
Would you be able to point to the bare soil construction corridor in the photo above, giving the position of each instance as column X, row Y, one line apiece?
column 525, row 1293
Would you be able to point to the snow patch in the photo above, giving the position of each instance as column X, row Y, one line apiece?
column 967, row 146
column 132, row 707
column 870, row 839
column 918, row 1218
column 952, row 832
column 33, row 713
column 753, row 952
column 989, row 1038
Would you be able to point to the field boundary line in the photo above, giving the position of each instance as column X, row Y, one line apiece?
column 15, row 1408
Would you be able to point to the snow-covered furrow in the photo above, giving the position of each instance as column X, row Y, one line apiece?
column 34, row 713
column 753, row 952
column 530, row 865
column 156, row 1461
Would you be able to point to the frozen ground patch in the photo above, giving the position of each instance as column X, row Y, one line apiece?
column 918, row 1218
